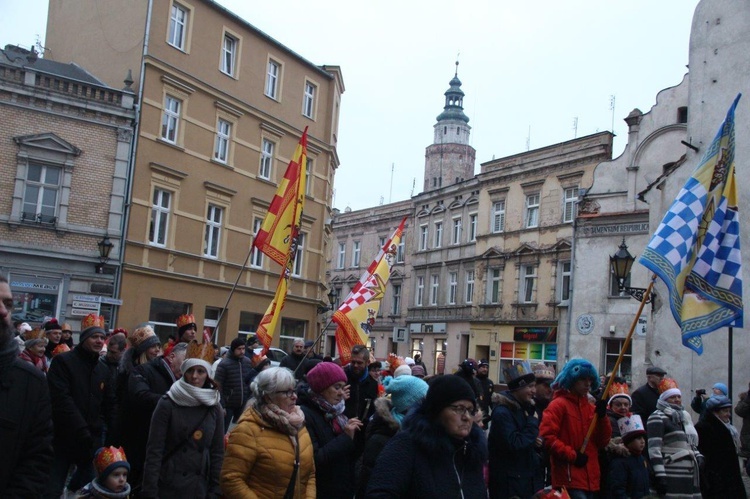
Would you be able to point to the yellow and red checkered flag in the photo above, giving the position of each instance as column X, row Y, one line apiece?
column 275, row 234
column 356, row 315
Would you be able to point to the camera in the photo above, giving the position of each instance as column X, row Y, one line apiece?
column 700, row 392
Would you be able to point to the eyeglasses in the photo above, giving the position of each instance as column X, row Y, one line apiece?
column 287, row 393
column 462, row 410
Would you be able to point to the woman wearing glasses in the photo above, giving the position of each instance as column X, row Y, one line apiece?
column 439, row 452
column 269, row 453
column 332, row 433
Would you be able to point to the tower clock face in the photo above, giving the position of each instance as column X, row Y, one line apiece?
column 585, row 323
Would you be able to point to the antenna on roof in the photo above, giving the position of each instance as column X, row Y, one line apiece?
column 413, row 185
column 528, row 139
column 390, row 193
column 41, row 49
column 612, row 108
column 457, row 55
column 575, row 127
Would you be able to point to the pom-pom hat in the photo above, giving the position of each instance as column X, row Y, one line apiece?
column 108, row 459
column 52, row 325
column 630, row 428
column 90, row 325
column 402, row 370
column 668, row 388
column 573, row 371
column 324, row 375
column 405, row 392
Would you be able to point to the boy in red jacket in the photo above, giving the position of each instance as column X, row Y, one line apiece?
column 564, row 427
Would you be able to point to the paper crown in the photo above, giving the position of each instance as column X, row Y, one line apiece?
column 140, row 335
column 203, row 351
column 259, row 361
column 631, row 426
column 544, row 372
column 120, row 330
column 69, row 328
column 519, row 375
column 61, row 348
column 92, row 320
column 34, row 334
column 394, row 361
column 667, row 384
column 107, row 459
column 185, row 320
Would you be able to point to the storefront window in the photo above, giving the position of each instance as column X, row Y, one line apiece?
column 441, row 347
column 513, row 352
column 163, row 316
column 34, row 299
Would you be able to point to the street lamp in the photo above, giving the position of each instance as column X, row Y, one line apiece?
column 105, row 247
column 332, row 296
column 621, row 263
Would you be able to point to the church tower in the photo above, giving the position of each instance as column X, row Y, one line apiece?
column 450, row 158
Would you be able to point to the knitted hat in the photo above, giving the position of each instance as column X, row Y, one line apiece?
column 409, row 361
column 418, row 371
column 199, row 354
column 722, row 388
column 573, row 371
column 519, row 375
column 61, row 348
column 185, row 322
column 445, row 390
column 469, row 366
column 618, row 390
column 236, row 343
column 405, row 392
column 52, row 325
column 142, row 339
column 251, row 340
column 24, row 327
column 34, row 337
column 324, row 375
column 630, row 428
column 107, row 459
column 716, row 402
column 92, row 324
column 544, row 373
column 668, row 388
column 402, row 370
column 483, row 362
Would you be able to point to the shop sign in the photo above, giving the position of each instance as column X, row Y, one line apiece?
column 535, row 334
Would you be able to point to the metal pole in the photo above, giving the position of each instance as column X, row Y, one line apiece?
column 317, row 340
column 729, row 364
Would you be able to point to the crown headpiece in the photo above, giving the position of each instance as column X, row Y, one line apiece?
column 185, row 320
column 107, row 459
column 92, row 320
column 667, row 384
column 61, row 348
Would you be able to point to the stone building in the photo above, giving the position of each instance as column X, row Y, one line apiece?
column 65, row 141
column 222, row 106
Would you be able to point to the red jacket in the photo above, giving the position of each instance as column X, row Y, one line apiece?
column 564, row 426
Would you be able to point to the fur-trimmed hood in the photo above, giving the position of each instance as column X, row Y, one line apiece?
column 430, row 436
column 383, row 406
column 615, row 448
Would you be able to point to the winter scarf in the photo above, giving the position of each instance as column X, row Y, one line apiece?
column 289, row 423
column 732, row 431
column 679, row 417
column 333, row 413
column 94, row 489
column 184, row 394
column 38, row 362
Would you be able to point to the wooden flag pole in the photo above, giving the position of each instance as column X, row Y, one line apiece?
column 625, row 346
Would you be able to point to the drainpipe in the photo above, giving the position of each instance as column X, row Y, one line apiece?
column 572, row 276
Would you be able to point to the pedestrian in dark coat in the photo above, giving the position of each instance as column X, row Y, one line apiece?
column 742, row 409
column 82, row 403
column 363, row 390
column 516, row 468
column 439, row 452
column 645, row 397
column 628, row 476
column 295, row 358
column 25, row 416
column 233, row 376
column 331, row 432
column 488, row 388
column 185, row 447
column 719, row 442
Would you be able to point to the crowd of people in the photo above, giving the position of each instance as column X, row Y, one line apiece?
column 122, row 415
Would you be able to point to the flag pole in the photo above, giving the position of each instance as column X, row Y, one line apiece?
column 317, row 340
column 215, row 336
column 625, row 346
column 729, row 365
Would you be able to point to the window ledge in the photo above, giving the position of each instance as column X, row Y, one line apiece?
column 222, row 164
column 265, row 181
column 170, row 144
column 525, row 305
column 490, row 305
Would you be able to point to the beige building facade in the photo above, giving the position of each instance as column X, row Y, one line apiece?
column 222, row 107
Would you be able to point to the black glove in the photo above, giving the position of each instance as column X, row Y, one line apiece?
column 581, row 459
column 660, row 485
column 601, row 408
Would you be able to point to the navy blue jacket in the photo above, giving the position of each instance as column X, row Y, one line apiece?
column 516, row 466
column 628, row 478
column 233, row 375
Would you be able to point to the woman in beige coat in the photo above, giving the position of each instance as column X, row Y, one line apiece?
column 270, row 437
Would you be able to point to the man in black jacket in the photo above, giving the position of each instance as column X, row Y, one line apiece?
column 363, row 390
column 488, row 388
column 294, row 359
column 645, row 397
column 25, row 415
column 233, row 375
column 82, row 403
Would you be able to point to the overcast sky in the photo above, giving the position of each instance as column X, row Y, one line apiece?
column 528, row 69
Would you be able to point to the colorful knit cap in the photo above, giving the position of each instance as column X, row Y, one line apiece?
column 324, row 375
column 142, row 339
column 573, row 371
column 107, row 459
column 405, row 392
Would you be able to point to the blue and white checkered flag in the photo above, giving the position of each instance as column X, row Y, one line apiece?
column 696, row 248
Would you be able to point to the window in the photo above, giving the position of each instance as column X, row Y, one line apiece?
column 170, row 120
column 434, row 289
column 418, row 300
column 213, row 231
column 228, row 55
column 438, row 234
column 178, row 26
column 532, row 210
column 162, row 314
column 157, row 233
column 513, row 353
column 611, row 351
column 381, row 242
column 299, row 255
column 614, row 288
column 249, row 322
column 456, row 233
column 223, row 132
column 473, row 227
column 498, row 216
column 569, row 204
column 272, row 79
column 40, row 193
column 291, row 329
column 308, row 101
column 564, row 282
column 493, row 286
column 469, row 286
column 423, row 234
column 308, row 176
column 396, row 308
column 400, row 252
column 355, row 254
column 256, row 259
column 342, row 256
column 528, row 280
column 452, row 287
column 266, row 159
